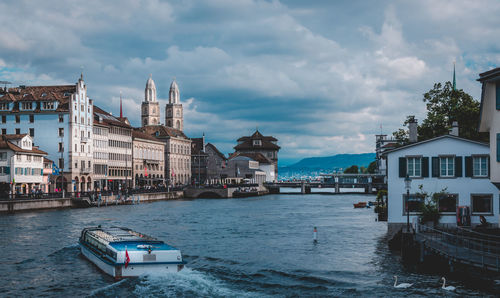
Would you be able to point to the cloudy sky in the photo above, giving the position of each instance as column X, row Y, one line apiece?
column 321, row 76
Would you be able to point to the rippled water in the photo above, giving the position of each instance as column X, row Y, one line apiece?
column 253, row 247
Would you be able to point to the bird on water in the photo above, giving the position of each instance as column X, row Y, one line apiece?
column 403, row 285
column 447, row 288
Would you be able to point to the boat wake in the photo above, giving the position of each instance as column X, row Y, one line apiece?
column 188, row 283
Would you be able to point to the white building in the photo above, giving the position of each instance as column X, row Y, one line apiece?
column 59, row 119
column 490, row 118
column 21, row 165
column 456, row 165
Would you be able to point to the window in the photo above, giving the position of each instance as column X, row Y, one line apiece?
column 83, row 148
column 61, row 131
column 4, row 119
column 32, row 118
column 480, row 166
column 61, row 118
column 257, row 142
column 414, row 166
column 4, row 106
column 48, row 105
column 61, row 147
column 27, row 105
column 482, row 204
column 83, row 164
column 76, row 165
column 4, row 131
column 18, row 118
column 76, row 148
column 447, row 203
column 32, row 132
column 61, row 163
column 447, row 166
column 414, row 203
column 18, row 131
column 3, row 155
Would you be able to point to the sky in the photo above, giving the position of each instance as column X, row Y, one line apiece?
column 323, row 77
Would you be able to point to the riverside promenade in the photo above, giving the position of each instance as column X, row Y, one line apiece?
column 75, row 200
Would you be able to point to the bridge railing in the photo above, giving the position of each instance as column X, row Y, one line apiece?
column 472, row 249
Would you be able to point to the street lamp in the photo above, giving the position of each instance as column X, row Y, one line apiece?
column 407, row 187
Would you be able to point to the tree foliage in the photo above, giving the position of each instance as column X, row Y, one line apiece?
column 352, row 170
column 372, row 167
column 444, row 106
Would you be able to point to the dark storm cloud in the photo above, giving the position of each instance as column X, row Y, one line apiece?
column 321, row 76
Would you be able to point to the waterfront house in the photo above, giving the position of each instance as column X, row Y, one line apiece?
column 258, row 143
column 59, row 119
column 149, row 154
column 457, row 165
column 490, row 118
column 21, row 165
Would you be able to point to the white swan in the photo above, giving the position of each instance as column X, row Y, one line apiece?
column 447, row 288
column 401, row 285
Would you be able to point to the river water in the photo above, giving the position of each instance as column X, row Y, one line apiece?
column 251, row 247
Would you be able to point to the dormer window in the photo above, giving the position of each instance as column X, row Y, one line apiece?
column 4, row 106
column 257, row 142
column 67, row 94
column 25, row 94
column 44, row 94
column 27, row 105
column 48, row 105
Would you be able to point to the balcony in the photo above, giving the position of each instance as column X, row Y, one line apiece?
column 85, row 170
column 84, row 139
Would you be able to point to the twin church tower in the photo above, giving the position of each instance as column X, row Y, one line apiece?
column 150, row 114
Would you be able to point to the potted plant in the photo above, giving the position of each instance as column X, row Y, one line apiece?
column 429, row 207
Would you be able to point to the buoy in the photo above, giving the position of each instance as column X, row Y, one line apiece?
column 315, row 235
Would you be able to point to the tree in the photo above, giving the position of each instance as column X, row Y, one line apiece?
column 444, row 106
column 351, row 170
column 372, row 167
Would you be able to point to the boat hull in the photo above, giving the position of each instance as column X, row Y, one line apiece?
column 119, row 271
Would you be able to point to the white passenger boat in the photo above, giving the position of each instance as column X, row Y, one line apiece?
column 121, row 252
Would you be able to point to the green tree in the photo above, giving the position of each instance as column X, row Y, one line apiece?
column 372, row 167
column 352, row 170
column 445, row 105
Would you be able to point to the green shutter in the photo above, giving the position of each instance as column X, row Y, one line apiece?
column 498, row 96
column 7, row 170
column 402, row 167
column 425, row 167
column 498, row 147
column 468, row 166
column 458, row 166
column 435, row 167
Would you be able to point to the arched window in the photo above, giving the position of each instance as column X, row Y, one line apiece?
column 178, row 125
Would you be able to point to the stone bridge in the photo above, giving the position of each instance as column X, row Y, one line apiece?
column 194, row 193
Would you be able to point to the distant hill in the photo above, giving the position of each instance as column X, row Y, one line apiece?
column 331, row 162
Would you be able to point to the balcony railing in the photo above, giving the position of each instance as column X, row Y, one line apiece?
column 86, row 170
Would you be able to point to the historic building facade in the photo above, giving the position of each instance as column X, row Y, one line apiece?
column 150, row 108
column 266, row 145
column 21, row 165
column 148, row 159
column 117, row 168
column 59, row 119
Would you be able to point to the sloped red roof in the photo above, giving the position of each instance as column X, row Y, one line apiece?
column 35, row 94
column 107, row 118
column 267, row 142
column 162, row 131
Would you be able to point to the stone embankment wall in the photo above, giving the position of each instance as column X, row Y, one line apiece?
column 10, row 206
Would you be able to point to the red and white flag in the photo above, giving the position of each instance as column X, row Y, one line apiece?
column 173, row 174
column 145, row 171
column 127, row 258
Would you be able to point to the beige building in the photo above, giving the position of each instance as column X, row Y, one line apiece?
column 148, row 159
column 118, row 174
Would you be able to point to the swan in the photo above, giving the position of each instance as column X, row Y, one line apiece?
column 401, row 285
column 447, row 288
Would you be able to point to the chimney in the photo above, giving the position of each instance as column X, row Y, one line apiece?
column 412, row 125
column 454, row 129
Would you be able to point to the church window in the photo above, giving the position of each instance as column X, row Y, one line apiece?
column 178, row 113
column 154, row 110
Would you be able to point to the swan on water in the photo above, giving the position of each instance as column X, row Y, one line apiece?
column 403, row 285
column 447, row 288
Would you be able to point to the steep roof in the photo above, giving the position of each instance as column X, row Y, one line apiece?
column 108, row 119
column 213, row 148
column 59, row 93
column 257, row 156
column 267, row 142
column 162, row 131
column 432, row 140
column 138, row 134
column 5, row 143
column 197, row 146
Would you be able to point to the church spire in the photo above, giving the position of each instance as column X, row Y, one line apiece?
column 454, row 80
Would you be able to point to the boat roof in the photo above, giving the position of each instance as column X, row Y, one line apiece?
column 119, row 234
column 140, row 246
